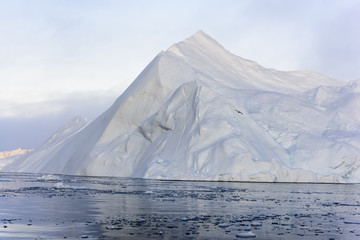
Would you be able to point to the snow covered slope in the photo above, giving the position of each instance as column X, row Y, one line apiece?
column 199, row 112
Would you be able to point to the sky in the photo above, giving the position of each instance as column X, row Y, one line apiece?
column 64, row 58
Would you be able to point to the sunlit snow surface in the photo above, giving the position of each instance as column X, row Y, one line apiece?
column 198, row 112
column 71, row 207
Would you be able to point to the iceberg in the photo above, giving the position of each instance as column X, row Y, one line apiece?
column 199, row 112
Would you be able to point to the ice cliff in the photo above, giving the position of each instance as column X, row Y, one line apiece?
column 198, row 112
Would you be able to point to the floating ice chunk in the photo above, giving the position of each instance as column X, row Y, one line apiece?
column 141, row 220
column 223, row 225
column 256, row 224
column 149, row 192
column 5, row 180
column 48, row 178
column 160, row 233
column 114, row 227
column 246, row 235
column 60, row 185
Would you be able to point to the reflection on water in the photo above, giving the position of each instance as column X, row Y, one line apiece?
column 57, row 207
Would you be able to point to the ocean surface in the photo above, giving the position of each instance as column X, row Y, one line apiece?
column 38, row 206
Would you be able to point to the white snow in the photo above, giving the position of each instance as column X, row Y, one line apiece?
column 198, row 112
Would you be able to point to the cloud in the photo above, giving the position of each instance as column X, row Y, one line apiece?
column 88, row 104
column 27, row 125
column 27, row 133
column 289, row 35
column 338, row 48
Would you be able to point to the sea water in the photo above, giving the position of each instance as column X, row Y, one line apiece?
column 40, row 206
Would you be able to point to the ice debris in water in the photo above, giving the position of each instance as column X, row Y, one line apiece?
column 223, row 225
column 60, row 185
column 5, row 180
column 256, row 224
column 48, row 178
column 114, row 227
column 246, row 235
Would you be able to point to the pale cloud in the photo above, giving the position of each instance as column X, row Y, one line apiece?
column 28, row 124
column 88, row 104
column 339, row 48
column 314, row 35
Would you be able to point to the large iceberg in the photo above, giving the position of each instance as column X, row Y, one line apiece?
column 198, row 112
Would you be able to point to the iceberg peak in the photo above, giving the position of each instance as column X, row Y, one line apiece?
column 203, row 40
column 201, row 36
